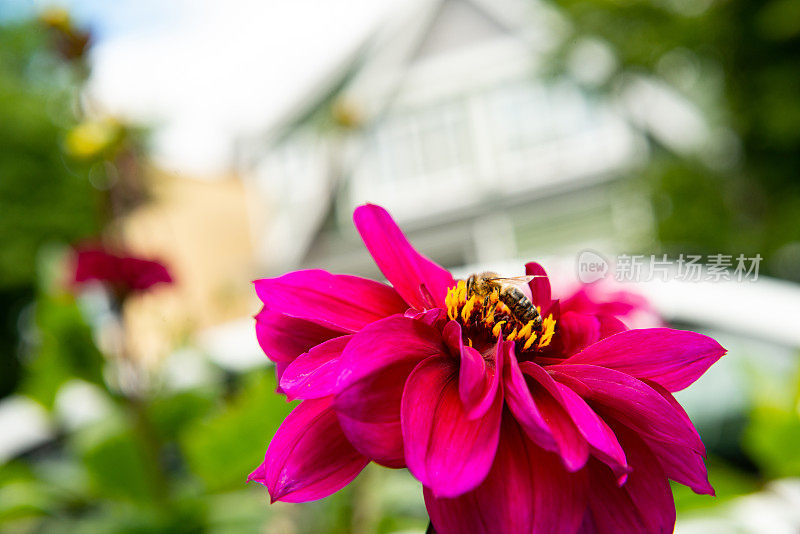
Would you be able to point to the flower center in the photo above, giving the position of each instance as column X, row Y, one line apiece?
column 488, row 318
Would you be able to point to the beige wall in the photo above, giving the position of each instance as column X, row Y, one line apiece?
column 199, row 228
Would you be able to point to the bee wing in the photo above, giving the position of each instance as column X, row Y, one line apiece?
column 518, row 279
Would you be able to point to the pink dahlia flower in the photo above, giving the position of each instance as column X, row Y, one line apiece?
column 604, row 298
column 122, row 274
column 568, row 427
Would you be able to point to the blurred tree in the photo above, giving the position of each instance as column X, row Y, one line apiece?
column 44, row 196
column 737, row 60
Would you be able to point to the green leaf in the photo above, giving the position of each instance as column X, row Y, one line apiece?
column 225, row 447
column 64, row 349
column 118, row 468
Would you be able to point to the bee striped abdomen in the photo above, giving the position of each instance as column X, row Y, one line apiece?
column 522, row 308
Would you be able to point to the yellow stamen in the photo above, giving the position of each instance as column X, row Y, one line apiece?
column 498, row 328
column 468, row 307
column 548, row 329
column 451, row 302
column 462, row 292
column 526, row 330
column 469, row 341
column 528, row 343
column 512, row 336
column 489, row 319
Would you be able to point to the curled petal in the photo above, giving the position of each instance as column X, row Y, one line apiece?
column 597, row 433
column 284, row 338
column 372, row 373
column 572, row 446
column 421, row 282
column 309, row 458
column 683, row 465
column 526, row 491
column 448, row 452
column 672, row 358
column 313, row 374
column 540, row 286
column 376, row 362
column 522, row 405
column 632, row 402
column 436, row 317
column 478, row 381
column 338, row 301
column 661, row 390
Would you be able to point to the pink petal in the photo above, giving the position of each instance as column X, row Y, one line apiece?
column 313, row 374
column 284, row 338
column 661, row 390
column 647, row 484
column 598, row 299
column 632, row 402
column 540, row 286
column 445, row 450
column 380, row 442
column 683, row 465
column 420, row 281
column 280, row 367
column 338, row 301
column 573, row 447
column 577, row 331
column 526, row 491
column 436, row 317
column 643, row 505
column 309, row 457
column 597, row 433
column 376, row 362
column 372, row 373
column 610, row 325
column 612, row 510
column 477, row 381
column 672, row 358
column 522, row 405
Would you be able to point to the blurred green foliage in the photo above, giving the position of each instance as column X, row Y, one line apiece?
column 773, row 434
column 44, row 197
column 61, row 348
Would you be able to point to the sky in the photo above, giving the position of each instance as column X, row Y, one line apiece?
column 203, row 72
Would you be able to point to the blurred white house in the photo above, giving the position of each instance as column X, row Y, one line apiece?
column 447, row 118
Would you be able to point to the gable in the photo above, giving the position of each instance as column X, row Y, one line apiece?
column 459, row 24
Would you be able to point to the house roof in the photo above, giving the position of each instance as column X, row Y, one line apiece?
column 422, row 30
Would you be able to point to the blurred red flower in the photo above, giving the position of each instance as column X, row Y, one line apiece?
column 121, row 274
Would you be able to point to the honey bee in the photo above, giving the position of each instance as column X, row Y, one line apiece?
column 486, row 283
